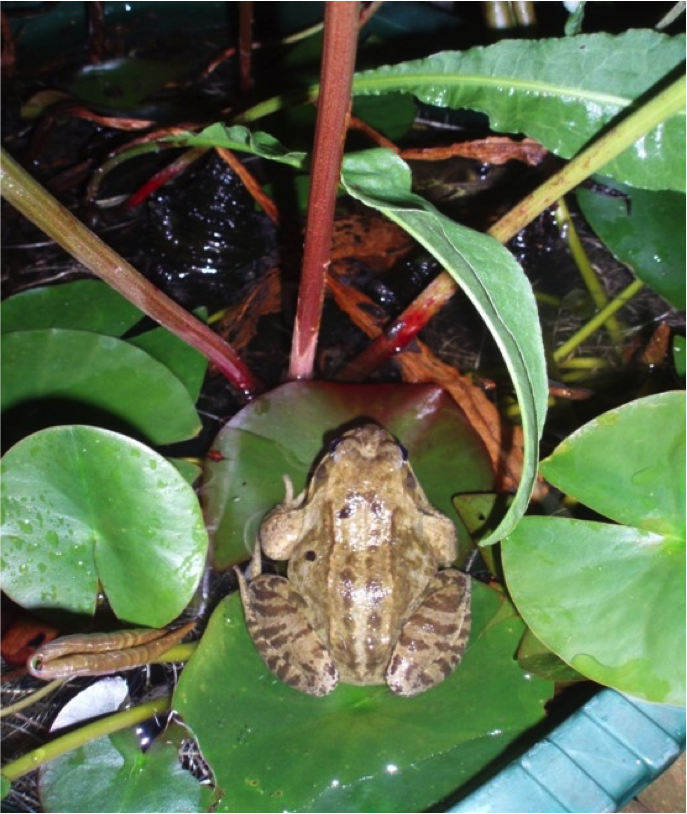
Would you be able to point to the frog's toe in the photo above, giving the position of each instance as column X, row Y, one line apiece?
column 284, row 637
column 434, row 638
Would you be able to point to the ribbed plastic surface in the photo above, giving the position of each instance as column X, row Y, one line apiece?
column 597, row 760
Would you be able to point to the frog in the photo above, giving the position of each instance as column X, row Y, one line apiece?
column 368, row 597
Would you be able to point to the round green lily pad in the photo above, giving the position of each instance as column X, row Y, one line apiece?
column 84, row 509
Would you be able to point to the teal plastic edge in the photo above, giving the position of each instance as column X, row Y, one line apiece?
column 597, row 760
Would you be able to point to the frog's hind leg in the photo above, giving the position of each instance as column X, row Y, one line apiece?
column 434, row 638
column 284, row 637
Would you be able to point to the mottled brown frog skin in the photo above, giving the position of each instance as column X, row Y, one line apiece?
column 364, row 602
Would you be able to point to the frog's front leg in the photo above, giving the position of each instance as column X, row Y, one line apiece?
column 434, row 638
column 286, row 641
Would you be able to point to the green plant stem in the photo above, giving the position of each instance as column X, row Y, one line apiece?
column 79, row 737
column 584, row 363
column 596, row 322
column 29, row 700
column 442, row 288
column 596, row 290
column 333, row 111
column 180, row 652
column 36, row 204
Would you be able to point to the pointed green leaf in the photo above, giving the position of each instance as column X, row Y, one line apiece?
column 488, row 274
column 241, row 139
column 562, row 92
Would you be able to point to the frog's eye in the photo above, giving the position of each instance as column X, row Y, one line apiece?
column 404, row 452
column 334, row 444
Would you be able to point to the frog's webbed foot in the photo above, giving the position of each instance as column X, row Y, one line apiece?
column 433, row 639
column 284, row 638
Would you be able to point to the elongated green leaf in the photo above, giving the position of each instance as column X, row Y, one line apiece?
column 360, row 748
column 241, row 139
column 492, row 279
column 113, row 774
column 80, row 376
column 562, row 92
column 81, row 305
column 84, row 508
column 645, row 230
column 610, row 599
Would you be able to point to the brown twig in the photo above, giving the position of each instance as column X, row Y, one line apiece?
column 96, row 31
column 250, row 183
column 375, row 137
column 245, row 48
column 334, row 103
column 493, row 150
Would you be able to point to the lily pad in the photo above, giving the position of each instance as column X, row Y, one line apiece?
column 85, row 509
column 185, row 362
column 646, row 231
column 284, row 432
column 359, row 748
column 113, row 774
column 610, row 599
column 82, row 305
column 82, row 376
column 121, row 84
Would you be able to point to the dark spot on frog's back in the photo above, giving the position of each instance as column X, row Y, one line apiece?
column 344, row 512
column 410, row 482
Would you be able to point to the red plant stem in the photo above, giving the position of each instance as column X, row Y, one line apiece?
column 96, row 31
column 166, row 174
column 245, row 48
column 8, row 49
column 35, row 203
column 333, row 111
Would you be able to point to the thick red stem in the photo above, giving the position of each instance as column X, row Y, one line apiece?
column 333, row 111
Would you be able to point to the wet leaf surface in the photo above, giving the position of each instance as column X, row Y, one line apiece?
column 610, row 600
column 85, row 509
column 360, row 748
column 113, row 774
column 646, row 231
column 531, row 86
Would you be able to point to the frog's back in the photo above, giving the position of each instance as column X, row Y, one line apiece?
column 363, row 585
